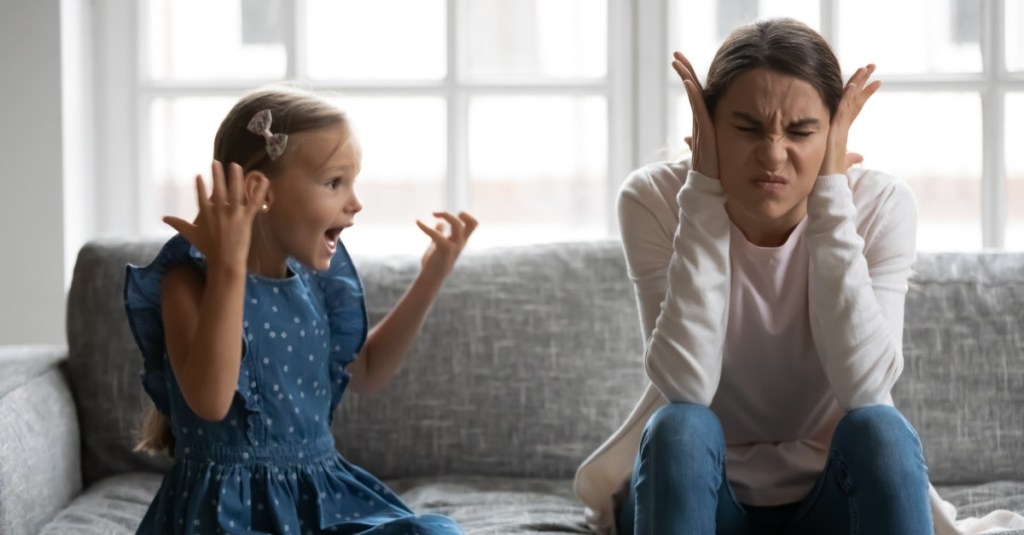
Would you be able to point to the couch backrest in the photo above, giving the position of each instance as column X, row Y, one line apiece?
column 963, row 376
column 531, row 357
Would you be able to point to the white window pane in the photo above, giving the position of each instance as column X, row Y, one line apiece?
column 376, row 39
column 1015, row 171
column 681, row 126
column 698, row 27
column 538, row 167
column 181, row 146
column 534, row 38
column 404, row 142
column 214, row 39
column 912, row 37
column 1015, row 35
column 909, row 135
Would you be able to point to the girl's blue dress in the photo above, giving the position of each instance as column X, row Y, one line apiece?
column 270, row 466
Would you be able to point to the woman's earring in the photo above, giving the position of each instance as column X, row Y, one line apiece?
column 264, row 208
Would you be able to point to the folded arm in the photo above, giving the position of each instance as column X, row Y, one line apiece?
column 682, row 282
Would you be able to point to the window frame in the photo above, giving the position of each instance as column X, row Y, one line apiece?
column 131, row 204
column 992, row 85
column 640, row 113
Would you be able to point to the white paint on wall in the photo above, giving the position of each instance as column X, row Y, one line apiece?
column 32, row 278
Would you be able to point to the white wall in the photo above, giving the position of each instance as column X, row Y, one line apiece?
column 32, row 219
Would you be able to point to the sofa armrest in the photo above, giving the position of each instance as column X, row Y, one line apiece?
column 39, row 439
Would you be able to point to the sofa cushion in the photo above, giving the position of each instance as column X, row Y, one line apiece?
column 480, row 505
column 39, row 454
column 104, row 362
column 963, row 379
column 530, row 358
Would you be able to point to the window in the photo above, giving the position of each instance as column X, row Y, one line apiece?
column 943, row 119
column 530, row 113
column 512, row 124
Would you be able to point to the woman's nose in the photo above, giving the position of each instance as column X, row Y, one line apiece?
column 771, row 152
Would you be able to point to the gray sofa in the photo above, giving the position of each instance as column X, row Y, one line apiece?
column 530, row 358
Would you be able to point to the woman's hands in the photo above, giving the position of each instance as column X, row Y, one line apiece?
column 443, row 251
column 856, row 93
column 702, row 143
column 223, row 229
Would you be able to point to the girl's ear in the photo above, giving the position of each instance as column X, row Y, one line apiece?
column 251, row 183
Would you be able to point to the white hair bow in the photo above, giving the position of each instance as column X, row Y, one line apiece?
column 260, row 125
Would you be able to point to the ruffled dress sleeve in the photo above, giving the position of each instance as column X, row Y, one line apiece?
column 346, row 318
column 142, row 304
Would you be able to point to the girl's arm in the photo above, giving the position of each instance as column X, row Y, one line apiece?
column 203, row 318
column 388, row 342
column 203, row 329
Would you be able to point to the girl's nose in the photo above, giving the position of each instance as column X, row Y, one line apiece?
column 354, row 206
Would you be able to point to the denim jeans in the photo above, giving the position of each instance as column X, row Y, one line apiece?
column 874, row 482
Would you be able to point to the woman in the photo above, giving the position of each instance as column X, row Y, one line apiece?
column 771, row 281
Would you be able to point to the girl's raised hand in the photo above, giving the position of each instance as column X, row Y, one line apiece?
column 444, row 250
column 702, row 142
column 855, row 94
column 222, row 231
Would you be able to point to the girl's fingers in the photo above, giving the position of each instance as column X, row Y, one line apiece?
column 457, row 226
column 201, row 199
column 470, row 221
column 183, row 227
column 219, row 186
column 438, row 238
column 233, row 183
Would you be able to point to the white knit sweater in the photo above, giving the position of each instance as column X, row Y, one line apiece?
column 841, row 339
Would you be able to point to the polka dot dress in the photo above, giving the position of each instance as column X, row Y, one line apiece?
column 270, row 466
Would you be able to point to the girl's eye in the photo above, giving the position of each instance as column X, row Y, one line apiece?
column 749, row 129
column 335, row 183
column 802, row 134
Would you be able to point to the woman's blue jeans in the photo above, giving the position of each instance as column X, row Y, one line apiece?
column 875, row 481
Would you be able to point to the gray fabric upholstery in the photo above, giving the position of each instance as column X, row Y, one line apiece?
column 479, row 505
column 963, row 379
column 104, row 362
column 530, row 358
column 112, row 506
column 39, row 453
column 527, row 361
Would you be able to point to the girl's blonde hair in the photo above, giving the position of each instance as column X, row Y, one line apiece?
column 292, row 111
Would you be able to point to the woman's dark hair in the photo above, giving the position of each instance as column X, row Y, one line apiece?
column 782, row 45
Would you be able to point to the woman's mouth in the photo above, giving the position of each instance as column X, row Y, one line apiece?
column 772, row 183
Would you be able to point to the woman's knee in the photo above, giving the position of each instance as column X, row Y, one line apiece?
column 684, row 427
column 865, row 432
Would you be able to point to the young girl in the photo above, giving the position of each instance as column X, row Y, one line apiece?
column 251, row 323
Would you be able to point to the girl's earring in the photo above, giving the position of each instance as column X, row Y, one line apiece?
column 264, row 208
